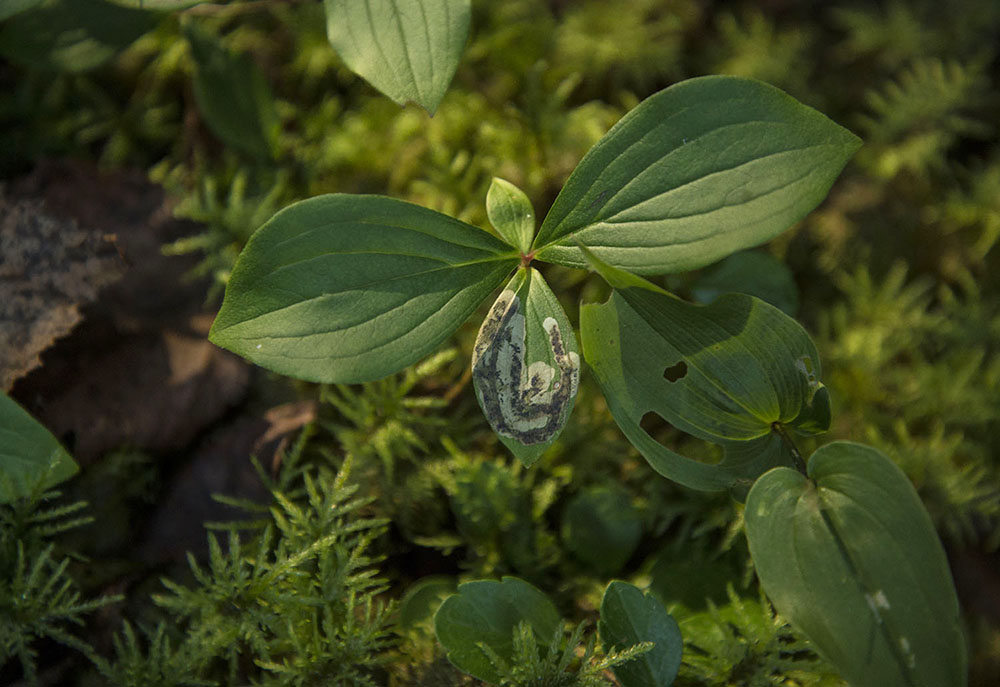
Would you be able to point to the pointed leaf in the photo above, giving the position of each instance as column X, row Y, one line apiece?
column 511, row 214
column 849, row 555
column 344, row 288
column 526, row 366
column 628, row 617
column 487, row 612
column 72, row 35
column 407, row 49
column 695, row 172
column 232, row 95
column 724, row 373
column 31, row 459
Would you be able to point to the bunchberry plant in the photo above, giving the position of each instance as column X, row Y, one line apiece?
column 346, row 288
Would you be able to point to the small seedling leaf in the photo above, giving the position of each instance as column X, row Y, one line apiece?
column 695, row 172
column 849, row 556
column 629, row 617
column 408, row 50
column 526, row 366
column 344, row 288
column 487, row 612
column 746, row 366
column 511, row 214
column 31, row 459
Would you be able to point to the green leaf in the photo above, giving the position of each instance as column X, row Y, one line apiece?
column 345, row 288
column 8, row 8
column 487, row 612
column 526, row 366
column 628, row 617
column 753, row 273
column 407, row 50
column 849, row 556
column 423, row 598
column 695, row 172
column 724, row 372
column 163, row 5
column 31, row 459
column 232, row 95
column 72, row 35
column 602, row 528
column 511, row 214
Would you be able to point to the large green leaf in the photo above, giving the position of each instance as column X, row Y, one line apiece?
column 695, row 172
column 344, row 288
column 487, row 612
column 725, row 373
column 31, row 459
column 72, row 35
column 850, row 557
column 233, row 96
column 407, row 49
column 628, row 617
column 526, row 366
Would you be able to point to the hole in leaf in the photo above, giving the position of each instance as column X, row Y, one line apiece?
column 675, row 372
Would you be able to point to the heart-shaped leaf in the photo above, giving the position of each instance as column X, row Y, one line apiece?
column 487, row 612
column 407, row 50
column 344, row 288
column 31, row 459
column 695, row 172
column 511, row 214
column 725, row 372
column 526, row 366
column 629, row 617
column 849, row 556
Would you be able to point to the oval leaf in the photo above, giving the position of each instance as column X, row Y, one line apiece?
column 526, row 366
column 72, row 35
column 407, row 50
column 724, row 372
column 695, row 172
column 602, row 528
column 849, row 556
column 344, row 288
column 232, row 95
column 511, row 214
column 487, row 612
column 628, row 617
column 31, row 459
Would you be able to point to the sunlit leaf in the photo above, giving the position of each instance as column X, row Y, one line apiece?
column 343, row 288
column 31, row 459
column 628, row 617
column 407, row 50
column 487, row 612
column 849, row 555
column 511, row 214
column 526, row 366
column 695, row 172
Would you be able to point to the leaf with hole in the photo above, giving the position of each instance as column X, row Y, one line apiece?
column 526, row 366
column 487, row 612
column 31, row 459
column 343, row 288
column 630, row 616
column 407, row 49
column 695, row 172
column 850, row 556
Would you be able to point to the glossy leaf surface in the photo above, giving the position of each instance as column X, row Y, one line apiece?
column 344, row 288
column 31, row 459
column 407, row 49
column 487, row 612
column 72, row 35
column 511, row 214
column 724, row 372
column 849, row 555
column 695, row 172
column 526, row 366
column 628, row 617
column 232, row 95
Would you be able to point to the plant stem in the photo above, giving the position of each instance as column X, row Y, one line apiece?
column 800, row 463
